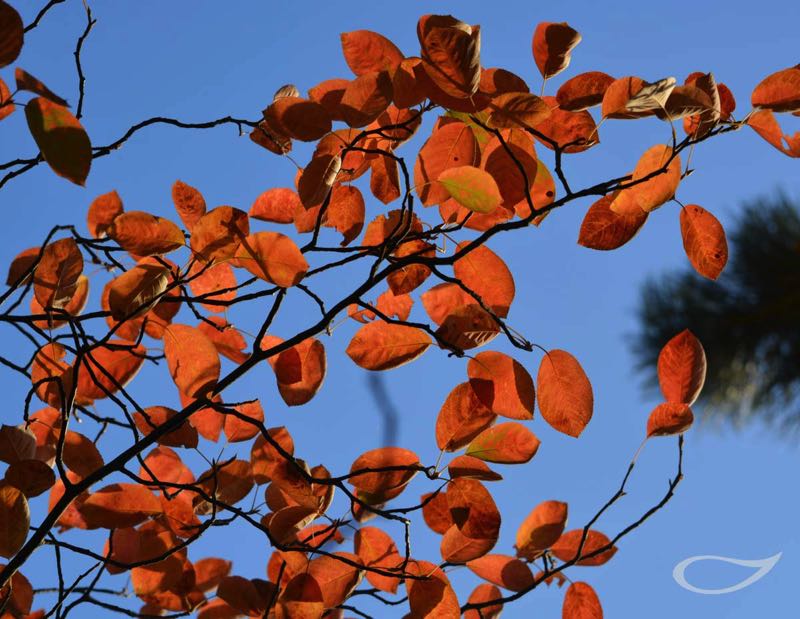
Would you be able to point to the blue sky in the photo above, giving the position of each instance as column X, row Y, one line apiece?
column 202, row 60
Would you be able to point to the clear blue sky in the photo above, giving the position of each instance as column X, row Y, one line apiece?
column 202, row 60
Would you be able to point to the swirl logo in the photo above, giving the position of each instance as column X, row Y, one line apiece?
column 763, row 567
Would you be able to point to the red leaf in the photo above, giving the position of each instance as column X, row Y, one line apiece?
column 502, row 384
column 682, row 368
column 541, row 529
column 277, row 205
column 384, row 457
column 567, row 546
column 581, row 602
column 227, row 339
column 377, row 550
column 120, row 505
column 384, row 346
column 189, row 203
column 32, row 477
column 154, row 416
column 779, row 92
column 468, row 466
column 102, row 211
column 669, row 418
column 26, row 81
column 432, row 596
column 450, row 145
column 481, row 594
column 505, row 443
column 604, row 228
column 107, row 369
column 565, row 393
column 462, row 417
column 55, row 280
column 451, row 49
column 652, row 193
column 503, row 571
column 366, row 51
column 552, row 46
column 298, row 118
column 514, row 110
column 704, row 241
column 192, row 360
column 583, row 91
column 217, row 234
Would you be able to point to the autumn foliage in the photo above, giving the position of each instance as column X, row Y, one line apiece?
column 433, row 282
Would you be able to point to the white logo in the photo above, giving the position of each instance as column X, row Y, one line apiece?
column 763, row 565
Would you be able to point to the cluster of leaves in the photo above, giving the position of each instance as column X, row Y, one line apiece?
column 173, row 282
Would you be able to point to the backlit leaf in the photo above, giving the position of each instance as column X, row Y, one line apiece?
column 704, row 241
column 503, row 571
column 15, row 517
column 505, row 443
column 450, row 145
column 472, row 188
column 502, row 384
column 669, row 418
column 652, row 193
column 189, row 203
column 567, row 547
column 452, row 50
column 120, row 505
column 605, row 229
column 11, row 34
column 583, row 91
column 273, row 257
column 55, row 280
column 682, row 368
column 565, row 393
column 192, row 360
column 366, row 51
column 779, row 92
column 581, row 602
column 541, row 529
column 217, row 234
column 102, row 212
column 462, row 417
column 383, row 346
column 384, row 457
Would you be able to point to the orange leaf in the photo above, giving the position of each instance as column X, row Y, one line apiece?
column 102, row 211
column 473, row 510
column 51, row 375
column 384, row 346
column 154, row 416
column 7, row 106
column 669, row 418
column 189, row 203
column 217, row 234
column 265, row 459
column 209, row 572
column 581, row 602
column 652, row 193
column 573, row 132
column 250, row 597
column 227, row 339
column 384, row 181
column 134, row 292
column 502, row 384
column 366, row 51
column 682, row 368
column 55, row 280
column 214, row 284
column 704, row 241
column 236, row 429
column 541, row 529
column 376, row 549
column 317, row 178
column 346, row 212
column 229, row 481
column 456, row 547
column 583, row 91
column 120, row 505
column 15, row 517
column 81, row 455
column 192, row 360
column 300, row 371
column 298, row 118
column 513, row 110
column 335, row 578
column 436, row 512
column 567, row 546
column 450, row 145
column 277, row 205
column 505, row 443
column 481, row 594
column 107, row 369
column 451, row 49
column 632, row 97
column 552, row 46
column 468, row 466
column 604, row 228
column 486, row 274
column 26, row 81
column 462, row 417
column 432, row 596
column 167, row 466
column 565, row 393
column 385, row 457
column 366, row 98
column 503, row 571
column 764, row 123
column 779, row 92
column 61, row 138
column 301, row 599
